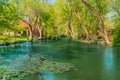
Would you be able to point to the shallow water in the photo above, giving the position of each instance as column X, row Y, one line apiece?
column 93, row 62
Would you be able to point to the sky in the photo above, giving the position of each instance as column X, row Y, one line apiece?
column 52, row 1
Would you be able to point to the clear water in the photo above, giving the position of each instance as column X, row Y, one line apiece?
column 93, row 62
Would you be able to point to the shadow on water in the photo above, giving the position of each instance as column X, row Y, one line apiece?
column 93, row 62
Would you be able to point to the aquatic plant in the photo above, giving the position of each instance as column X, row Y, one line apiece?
column 33, row 64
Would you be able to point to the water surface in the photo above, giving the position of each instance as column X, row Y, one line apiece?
column 93, row 62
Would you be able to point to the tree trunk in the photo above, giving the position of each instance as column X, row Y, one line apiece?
column 30, row 33
column 100, row 18
column 30, row 29
column 68, row 29
column 27, row 32
column 84, row 28
column 40, row 32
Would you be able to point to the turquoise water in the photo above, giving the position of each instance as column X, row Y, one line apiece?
column 93, row 62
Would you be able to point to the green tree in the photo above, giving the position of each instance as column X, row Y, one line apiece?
column 115, row 11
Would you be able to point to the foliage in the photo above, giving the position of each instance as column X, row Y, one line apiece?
column 116, row 19
column 10, row 39
column 72, row 18
column 116, row 32
column 9, row 17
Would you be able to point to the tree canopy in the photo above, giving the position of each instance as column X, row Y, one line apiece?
column 91, row 21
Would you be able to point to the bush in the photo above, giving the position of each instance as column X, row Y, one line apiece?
column 116, row 36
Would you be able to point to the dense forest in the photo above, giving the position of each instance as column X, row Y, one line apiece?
column 90, row 21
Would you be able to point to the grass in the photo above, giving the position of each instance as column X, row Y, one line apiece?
column 4, row 39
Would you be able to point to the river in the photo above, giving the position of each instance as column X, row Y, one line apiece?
column 93, row 62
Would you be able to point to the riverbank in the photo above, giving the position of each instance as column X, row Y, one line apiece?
column 7, row 40
column 12, row 42
column 97, row 42
column 4, row 41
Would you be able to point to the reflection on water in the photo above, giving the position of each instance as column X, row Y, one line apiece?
column 44, row 76
column 93, row 62
column 109, row 65
column 48, row 76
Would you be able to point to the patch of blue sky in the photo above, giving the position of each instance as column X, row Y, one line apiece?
column 51, row 1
